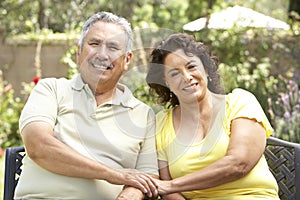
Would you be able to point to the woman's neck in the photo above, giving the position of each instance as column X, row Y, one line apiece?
column 199, row 109
column 192, row 121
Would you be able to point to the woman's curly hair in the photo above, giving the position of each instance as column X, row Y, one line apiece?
column 155, row 75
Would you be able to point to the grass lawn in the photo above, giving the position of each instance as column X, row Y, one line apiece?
column 1, row 176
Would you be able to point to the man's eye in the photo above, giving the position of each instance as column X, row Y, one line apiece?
column 113, row 48
column 93, row 44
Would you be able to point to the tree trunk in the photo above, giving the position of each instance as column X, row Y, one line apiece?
column 126, row 8
column 42, row 17
column 294, row 7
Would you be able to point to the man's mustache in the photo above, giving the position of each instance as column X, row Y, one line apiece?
column 96, row 62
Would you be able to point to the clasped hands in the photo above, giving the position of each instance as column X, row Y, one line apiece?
column 149, row 186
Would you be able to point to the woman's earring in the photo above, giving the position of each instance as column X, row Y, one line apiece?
column 209, row 79
column 167, row 84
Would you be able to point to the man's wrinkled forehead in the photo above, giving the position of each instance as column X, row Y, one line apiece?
column 112, row 35
column 112, row 41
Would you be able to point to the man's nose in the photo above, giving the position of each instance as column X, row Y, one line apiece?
column 101, row 52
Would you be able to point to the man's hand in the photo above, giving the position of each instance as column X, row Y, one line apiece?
column 139, row 180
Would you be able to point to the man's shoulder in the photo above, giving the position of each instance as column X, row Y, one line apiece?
column 143, row 104
column 54, row 80
column 57, row 86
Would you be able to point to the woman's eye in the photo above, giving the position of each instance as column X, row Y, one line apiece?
column 192, row 66
column 174, row 74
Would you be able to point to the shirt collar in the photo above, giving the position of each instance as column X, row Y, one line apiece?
column 124, row 96
column 77, row 83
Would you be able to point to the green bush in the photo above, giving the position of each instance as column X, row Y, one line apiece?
column 10, row 109
column 285, row 110
column 253, row 58
column 249, row 58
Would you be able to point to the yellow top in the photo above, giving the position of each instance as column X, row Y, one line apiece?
column 186, row 159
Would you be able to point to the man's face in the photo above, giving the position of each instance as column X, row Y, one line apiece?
column 102, row 59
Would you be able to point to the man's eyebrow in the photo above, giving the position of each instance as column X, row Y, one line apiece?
column 113, row 42
column 95, row 40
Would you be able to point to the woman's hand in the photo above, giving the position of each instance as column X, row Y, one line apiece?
column 165, row 190
column 164, row 187
column 136, row 179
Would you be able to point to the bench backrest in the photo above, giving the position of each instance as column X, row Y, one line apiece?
column 283, row 159
column 284, row 162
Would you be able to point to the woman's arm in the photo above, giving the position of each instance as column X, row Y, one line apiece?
column 246, row 146
column 164, row 174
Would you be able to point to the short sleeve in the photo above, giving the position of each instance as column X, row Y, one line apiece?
column 241, row 103
column 41, row 104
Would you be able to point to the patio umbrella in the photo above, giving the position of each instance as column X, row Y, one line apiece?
column 237, row 15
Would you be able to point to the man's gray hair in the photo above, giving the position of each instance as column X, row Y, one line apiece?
column 110, row 18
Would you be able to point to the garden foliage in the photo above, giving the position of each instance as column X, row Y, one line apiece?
column 263, row 61
column 285, row 111
column 10, row 110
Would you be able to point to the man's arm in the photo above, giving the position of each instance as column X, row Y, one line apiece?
column 53, row 155
column 146, row 162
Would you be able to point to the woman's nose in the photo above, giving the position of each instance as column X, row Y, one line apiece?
column 187, row 76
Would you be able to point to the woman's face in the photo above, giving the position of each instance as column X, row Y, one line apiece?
column 185, row 76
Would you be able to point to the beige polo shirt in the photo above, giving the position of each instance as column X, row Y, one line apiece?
column 119, row 133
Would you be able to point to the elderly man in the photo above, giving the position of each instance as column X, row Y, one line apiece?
column 89, row 138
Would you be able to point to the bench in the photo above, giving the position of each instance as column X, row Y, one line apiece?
column 283, row 159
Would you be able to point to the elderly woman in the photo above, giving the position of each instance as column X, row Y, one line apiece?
column 210, row 144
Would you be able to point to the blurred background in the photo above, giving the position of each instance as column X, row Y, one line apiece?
column 257, row 43
column 258, row 49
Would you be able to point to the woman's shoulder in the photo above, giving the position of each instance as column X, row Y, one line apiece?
column 162, row 119
column 239, row 96
column 242, row 103
column 162, row 115
column 239, row 92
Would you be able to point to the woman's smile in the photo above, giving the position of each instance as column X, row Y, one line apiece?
column 190, row 87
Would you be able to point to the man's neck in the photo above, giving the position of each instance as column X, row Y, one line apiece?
column 105, row 96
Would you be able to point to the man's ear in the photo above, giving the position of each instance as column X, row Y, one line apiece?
column 127, row 60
